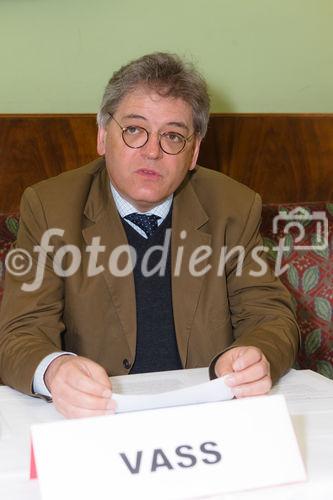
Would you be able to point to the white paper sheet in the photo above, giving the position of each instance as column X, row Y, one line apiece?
column 306, row 392
column 167, row 389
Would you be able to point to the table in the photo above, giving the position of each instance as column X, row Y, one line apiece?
column 309, row 398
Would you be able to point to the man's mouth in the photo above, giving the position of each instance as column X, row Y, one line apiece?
column 147, row 172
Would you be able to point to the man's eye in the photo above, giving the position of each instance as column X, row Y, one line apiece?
column 173, row 137
column 132, row 130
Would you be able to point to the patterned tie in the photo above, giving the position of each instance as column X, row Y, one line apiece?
column 148, row 223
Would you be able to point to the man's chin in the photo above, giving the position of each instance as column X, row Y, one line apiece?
column 145, row 203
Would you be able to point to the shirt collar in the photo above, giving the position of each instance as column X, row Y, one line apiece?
column 124, row 207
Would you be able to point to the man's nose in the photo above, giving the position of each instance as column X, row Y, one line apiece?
column 152, row 147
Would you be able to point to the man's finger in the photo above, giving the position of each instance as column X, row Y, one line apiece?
column 249, row 357
column 253, row 389
column 83, row 375
column 71, row 411
column 223, row 367
column 81, row 382
column 98, row 373
column 81, row 399
column 251, row 374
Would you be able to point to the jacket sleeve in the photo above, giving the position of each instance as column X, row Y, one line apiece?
column 260, row 305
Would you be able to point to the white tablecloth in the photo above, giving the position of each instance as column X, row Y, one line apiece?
column 310, row 402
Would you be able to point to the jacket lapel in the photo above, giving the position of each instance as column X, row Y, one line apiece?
column 103, row 221
column 187, row 218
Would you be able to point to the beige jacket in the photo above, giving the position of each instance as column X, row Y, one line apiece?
column 96, row 316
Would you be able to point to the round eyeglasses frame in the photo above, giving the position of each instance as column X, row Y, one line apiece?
column 124, row 129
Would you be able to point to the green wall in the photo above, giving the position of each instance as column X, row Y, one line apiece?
column 258, row 55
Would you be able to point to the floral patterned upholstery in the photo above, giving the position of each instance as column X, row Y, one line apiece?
column 8, row 231
column 309, row 276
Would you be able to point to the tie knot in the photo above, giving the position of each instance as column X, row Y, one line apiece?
column 148, row 223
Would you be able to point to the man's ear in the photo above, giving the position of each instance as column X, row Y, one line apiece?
column 195, row 152
column 101, row 138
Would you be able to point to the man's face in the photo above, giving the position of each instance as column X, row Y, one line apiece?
column 147, row 176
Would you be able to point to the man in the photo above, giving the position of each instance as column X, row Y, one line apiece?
column 79, row 316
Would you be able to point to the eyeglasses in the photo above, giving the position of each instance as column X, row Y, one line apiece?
column 136, row 137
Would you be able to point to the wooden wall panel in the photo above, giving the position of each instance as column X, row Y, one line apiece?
column 34, row 147
column 284, row 157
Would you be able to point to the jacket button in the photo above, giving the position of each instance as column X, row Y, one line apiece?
column 126, row 364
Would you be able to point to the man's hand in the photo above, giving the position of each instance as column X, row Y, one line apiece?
column 79, row 387
column 247, row 370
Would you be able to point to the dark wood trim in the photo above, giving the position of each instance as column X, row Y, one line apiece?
column 286, row 157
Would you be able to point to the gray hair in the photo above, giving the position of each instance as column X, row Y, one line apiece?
column 169, row 76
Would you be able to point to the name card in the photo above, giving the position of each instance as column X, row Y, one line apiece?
column 171, row 453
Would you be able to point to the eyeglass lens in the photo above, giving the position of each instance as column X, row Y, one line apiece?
column 170, row 142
